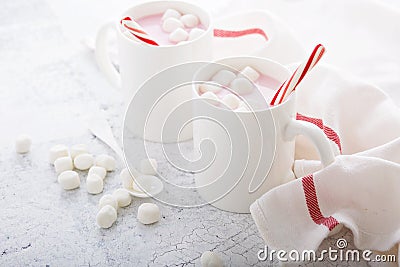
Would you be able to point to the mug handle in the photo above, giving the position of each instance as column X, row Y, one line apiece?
column 103, row 57
column 315, row 134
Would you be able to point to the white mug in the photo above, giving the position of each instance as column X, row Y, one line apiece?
column 139, row 61
column 253, row 150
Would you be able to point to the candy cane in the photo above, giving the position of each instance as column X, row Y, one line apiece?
column 290, row 85
column 136, row 30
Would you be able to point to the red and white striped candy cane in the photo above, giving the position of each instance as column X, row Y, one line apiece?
column 136, row 30
column 290, row 85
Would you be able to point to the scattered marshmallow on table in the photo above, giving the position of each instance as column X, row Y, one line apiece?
column 171, row 24
column 148, row 166
column 210, row 259
column 211, row 98
column 63, row 164
column 57, row 151
column 77, row 150
column 123, row 197
column 94, row 184
column 195, row 33
column 190, row 20
column 106, row 162
column 108, row 199
column 178, row 35
column 242, row 86
column 69, row 180
column 148, row 213
column 250, row 73
column 171, row 13
column 83, row 161
column 231, row 101
column 23, row 143
column 126, row 179
column 223, row 77
column 100, row 171
column 106, row 216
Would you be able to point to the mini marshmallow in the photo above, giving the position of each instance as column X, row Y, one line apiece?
column 100, row 171
column 126, row 179
column 223, row 77
column 250, row 73
column 211, row 98
column 57, row 151
column 231, row 101
column 206, row 87
column 242, row 107
column 94, row 184
column 106, row 162
column 171, row 13
column 148, row 166
column 178, row 35
column 23, row 143
column 69, row 180
column 106, row 216
column 171, row 24
column 108, row 199
column 63, row 164
column 210, row 259
column 77, row 150
column 195, row 33
column 190, row 20
column 123, row 197
column 148, row 213
column 242, row 86
column 83, row 161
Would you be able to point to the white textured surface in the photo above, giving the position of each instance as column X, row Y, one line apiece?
column 48, row 83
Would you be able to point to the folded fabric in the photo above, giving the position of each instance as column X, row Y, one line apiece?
column 360, row 191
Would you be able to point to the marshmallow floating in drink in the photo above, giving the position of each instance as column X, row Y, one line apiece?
column 168, row 28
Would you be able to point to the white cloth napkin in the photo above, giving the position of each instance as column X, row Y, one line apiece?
column 361, row 190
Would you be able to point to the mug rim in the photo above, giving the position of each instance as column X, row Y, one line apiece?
column 209, row 28
column 290, row 99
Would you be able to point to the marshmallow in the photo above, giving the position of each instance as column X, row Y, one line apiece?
column 223, row 77
column 106, row 216
column 23, row 144
column 148, row 213
column 83, row 161
column 108, row 199
column 231, row 101
column 77, row 150
column 171, row 13
column 178, row 35
column 69, row 180
column 148, row 166
column 126, row 179
column 242, row 86
column 211, row 98
column 57, row 151
column 195, row 33
column 106, row 162
column 94, row 184
column 190, row 20
column 63, row 164
column 211, row 259
column 242, row 107
column 123, row 197
column 100, row 171
column 206, row 87
column 250, row 73
column 171, row 24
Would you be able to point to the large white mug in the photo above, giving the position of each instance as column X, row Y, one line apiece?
column 253, row 150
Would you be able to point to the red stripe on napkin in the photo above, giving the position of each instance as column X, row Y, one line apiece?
column 226, row 33
column 313, row 205
column 329, row 132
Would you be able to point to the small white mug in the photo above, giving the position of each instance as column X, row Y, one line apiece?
column 253, row 150
column 139, row 61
